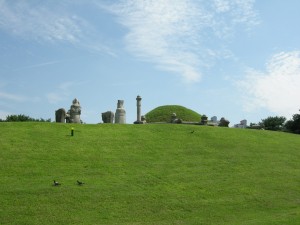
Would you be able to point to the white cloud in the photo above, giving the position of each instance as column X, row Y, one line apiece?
column 39, row 22
column 222, row 6
column 50, row 22
column 55, row 97
column 61, row 93
column 277, row 88
column 176, row 34
column 4, row 114
column 12, row 97
column 39, row 65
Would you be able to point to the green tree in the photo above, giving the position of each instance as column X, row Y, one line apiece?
column 273, row 123
column 254, row 126
column 23, row 118
column 18, row 118
column 293, row 125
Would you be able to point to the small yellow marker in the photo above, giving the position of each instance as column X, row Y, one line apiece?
column 72, row 131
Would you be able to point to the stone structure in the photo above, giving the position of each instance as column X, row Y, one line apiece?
column 73, row 115
column 143, row 118
column 60, row 115
column 242, row 124
column 224, row 122
column 174, row 118
column 108, row 117
column 138, row 106
column 214, row 119
column 203, row 120
column 120, row 116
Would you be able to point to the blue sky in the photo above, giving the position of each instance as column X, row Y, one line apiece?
column 225, row 58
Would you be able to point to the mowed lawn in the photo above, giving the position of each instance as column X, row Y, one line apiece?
column 147, row 174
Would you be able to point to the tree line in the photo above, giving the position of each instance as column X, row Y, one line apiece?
column 279, row 123
column 275, row 123
column 23, row 118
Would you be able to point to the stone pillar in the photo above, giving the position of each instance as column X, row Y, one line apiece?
column 120, row 116
column 138, row 106
column 203, row 120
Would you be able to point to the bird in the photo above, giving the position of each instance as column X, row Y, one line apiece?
column 55, row 183
column 192, row 131
column 79, row 182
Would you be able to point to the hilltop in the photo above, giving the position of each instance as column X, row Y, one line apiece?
column 163, row 114
column 147, row 174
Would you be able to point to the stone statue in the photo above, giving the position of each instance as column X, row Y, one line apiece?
column 224, row 122
column 143, row 118
column 60, row 115
column 204, row 120
column 120, row 116
column 73, row 115
column 108, row 117
column 174, row 118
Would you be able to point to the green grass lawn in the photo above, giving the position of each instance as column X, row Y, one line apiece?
column 147, row 174
column 164, row 114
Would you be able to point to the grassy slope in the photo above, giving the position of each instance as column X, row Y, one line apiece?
column 163, row 114
column 147, row 174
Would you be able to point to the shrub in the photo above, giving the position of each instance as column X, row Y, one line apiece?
column 293, row 125
column 23, row 118
column 273, row 123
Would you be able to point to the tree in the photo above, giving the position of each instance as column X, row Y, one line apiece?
column 273, row 123
column 18, row 118
column 255, row 126
column 23, row 118
column 293, row 125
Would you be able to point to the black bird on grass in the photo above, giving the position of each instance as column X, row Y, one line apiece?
column 192, row 131
column 79, row 182
column 55, row 183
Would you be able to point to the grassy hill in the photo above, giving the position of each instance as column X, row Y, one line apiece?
column 163, row 114
column 147, row 174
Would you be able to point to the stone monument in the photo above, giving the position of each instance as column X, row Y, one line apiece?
column 242, row 124
column 143, row 118
column 138, row 106
column 203, row 120
column 120, row 116
column 224, row 122
column 174, row 118
column 214, row 119
column 60, row 115
column 108, row 117
column 73, row 115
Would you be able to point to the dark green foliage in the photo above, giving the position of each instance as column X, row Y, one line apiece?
column 255, row 126
column 223, row 122
column 293, row 125
column 273, row 123
column 23, row 118
column 164, row 113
